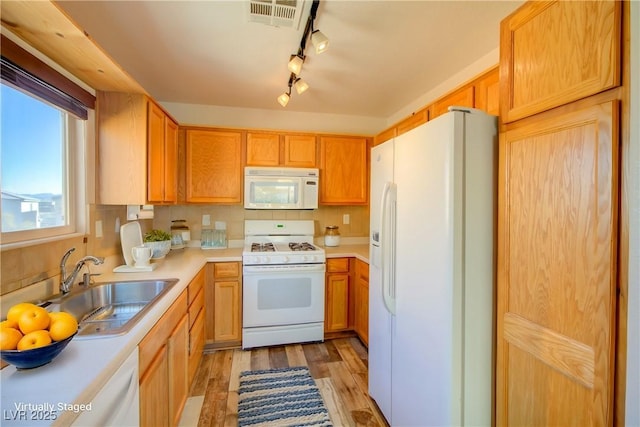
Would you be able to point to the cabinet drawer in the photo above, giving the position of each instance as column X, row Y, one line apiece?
column 195, row 286
column 225, row 270
column 337, row 265
column 195, row 308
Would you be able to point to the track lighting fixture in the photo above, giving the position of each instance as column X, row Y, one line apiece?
column 320, row 43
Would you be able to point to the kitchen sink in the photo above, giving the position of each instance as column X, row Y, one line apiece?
column 110, row 308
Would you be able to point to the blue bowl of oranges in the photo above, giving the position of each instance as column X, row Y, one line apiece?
column 31, row 336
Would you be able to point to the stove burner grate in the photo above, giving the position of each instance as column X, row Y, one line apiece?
column 263, row 247
column 304, row 246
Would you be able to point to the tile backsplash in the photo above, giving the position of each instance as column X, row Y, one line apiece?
column 24, row 266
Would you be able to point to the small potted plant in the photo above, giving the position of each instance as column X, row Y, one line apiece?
column 159, row 241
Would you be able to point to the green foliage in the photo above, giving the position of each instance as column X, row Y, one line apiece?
column 156, row 236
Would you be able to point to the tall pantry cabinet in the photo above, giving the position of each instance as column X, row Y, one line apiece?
column 561, row 93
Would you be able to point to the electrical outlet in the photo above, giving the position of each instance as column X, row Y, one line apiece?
column 206, row 220
column 345, row 219
column 98, row 229
column 117, row 225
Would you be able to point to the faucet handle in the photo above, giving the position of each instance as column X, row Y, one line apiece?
column 86, row 278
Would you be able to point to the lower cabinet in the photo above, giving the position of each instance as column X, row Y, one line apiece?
column 336, row 307
column 196, row 315
column 223, row 292
column 361, row 296
column 163, row 366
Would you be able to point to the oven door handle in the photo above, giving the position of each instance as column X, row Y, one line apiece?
column 283, row 268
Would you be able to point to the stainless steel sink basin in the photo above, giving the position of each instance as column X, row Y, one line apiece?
column 111, row 308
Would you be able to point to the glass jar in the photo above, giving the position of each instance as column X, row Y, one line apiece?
column 332, row 236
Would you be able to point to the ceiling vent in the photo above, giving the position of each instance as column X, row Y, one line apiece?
column 278, row 13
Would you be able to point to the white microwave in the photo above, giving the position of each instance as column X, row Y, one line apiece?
column 280, row 188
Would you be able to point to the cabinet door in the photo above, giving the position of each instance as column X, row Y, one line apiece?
column 462, row 98
column 155, row 154
column 178, row 359
column 154, row 384
column 361, row 317
column 344, row 172
column 413, row 121
column 214, row 166
column 226, row 311
column 556, row 52
column 170, row 160
column 337, row 302
column 300, row 151
column 263, row 149
column 196, row 344
column 557, row 284
column 487, row 92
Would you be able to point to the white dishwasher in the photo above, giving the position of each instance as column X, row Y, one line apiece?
column 118, row 402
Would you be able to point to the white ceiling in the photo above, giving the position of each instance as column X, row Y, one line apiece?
column 382, row 54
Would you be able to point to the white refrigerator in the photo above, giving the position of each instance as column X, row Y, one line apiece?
column 432, row 271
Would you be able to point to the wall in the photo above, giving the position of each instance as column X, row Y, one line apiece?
column 27, row 265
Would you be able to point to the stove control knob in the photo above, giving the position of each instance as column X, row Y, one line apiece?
column 256, row 259
column 266, row 260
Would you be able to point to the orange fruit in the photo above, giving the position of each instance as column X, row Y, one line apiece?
column 8, row 324
column 62, row 326
column 34, row 339
column 16, row 311
column 9, row 338
column 33, row 319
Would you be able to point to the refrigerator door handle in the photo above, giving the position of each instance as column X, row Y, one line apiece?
column 387, row 242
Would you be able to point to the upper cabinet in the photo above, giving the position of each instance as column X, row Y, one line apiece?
column 137, row 149
column 535, row 78
column 273, row 149
column 483, row 93
column 214, row 166
column 463, row 97
column 344, row 170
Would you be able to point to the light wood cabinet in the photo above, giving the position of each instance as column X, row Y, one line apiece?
column 154, row 384
column 163, row 365
column 137, row 151
column 413, row 121
column 487, row 92
column 463, row 97
column 223, row 292
column 263, row 149
column 344, row 170
column 558, row 289
column 337, row 295
column 361, row 306
column 273, row 149
column 214, row 171
column 300, row 151
column 178, row 362
column 556, row 52
column 196, row 314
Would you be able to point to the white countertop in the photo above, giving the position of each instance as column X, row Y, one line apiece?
column 85, row 366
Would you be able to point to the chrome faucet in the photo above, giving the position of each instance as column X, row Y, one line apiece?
column 66, row 282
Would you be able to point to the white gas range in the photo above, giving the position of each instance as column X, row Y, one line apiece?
column 283, row 283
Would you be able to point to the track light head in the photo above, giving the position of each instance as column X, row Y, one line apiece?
column 283, row 99
column 300, row 85
column 320, row 41
column 295, row 64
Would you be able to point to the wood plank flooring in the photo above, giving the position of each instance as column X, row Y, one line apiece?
column 338, row 366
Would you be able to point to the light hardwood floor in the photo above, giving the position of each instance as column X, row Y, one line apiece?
column 338, row 366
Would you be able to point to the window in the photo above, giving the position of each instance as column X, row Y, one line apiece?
column 36, row 167
column 43, row 122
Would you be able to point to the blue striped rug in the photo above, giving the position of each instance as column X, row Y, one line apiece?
column 280, row 397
